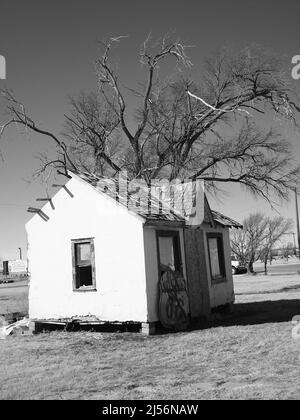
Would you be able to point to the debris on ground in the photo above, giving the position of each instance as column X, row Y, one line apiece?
column 20, row 327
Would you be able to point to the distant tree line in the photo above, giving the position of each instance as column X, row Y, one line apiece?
column 260, row 234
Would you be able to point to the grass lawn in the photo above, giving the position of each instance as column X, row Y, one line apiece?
column 247, row 355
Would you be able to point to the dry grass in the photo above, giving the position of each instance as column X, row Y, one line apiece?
column 235, row 362
column 14, row 297
column 253, row 357
column 265, row 285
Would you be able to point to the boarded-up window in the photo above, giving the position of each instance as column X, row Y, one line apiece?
column 216, row 257
column 83, row 264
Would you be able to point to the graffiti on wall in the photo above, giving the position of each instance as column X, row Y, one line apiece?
column 173, row 301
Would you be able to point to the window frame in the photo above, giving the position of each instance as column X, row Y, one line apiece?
column 222, row 278
column 92, row 287
column 175, row 235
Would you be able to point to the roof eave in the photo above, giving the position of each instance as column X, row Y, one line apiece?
column 164, row 223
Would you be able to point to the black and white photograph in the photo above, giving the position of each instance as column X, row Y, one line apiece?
column 149, row 203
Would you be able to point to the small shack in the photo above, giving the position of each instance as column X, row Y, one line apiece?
column 95, row 259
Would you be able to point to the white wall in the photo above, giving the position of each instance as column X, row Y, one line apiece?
column 119, row 258
column 151, row 262
column 220, row 293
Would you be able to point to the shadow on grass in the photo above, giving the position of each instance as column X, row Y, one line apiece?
column 254, row 313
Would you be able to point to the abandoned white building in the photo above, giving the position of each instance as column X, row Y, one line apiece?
column 92, row 258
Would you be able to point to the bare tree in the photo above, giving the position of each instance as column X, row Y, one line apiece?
column 258, row 237
column 246, row 244
column 239, row 245
column 17, row 115
column 90, row 128
column 178, row 129
column 275, row 229
column 288, row 250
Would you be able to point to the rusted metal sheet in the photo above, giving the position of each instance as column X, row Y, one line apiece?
column 197, row 276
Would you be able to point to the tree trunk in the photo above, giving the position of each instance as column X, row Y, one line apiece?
column 266, row 263
column 250, row 266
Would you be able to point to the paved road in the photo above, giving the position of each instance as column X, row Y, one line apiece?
column 12, row 289
column 276, row 268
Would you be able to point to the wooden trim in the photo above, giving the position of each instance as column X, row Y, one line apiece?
column 164, row 223
column 74, row 242
column 211, row 217
column 197, row 273
column 175, row 234
column 221, row 255
column 85, row 289
column 78, row 241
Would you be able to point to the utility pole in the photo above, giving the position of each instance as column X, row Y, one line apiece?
column 295, row 248
column 297, row 218
column 20, row 250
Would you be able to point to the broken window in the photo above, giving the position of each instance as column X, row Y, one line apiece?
column 216, row 257
column 83, row 264
column 169, row 251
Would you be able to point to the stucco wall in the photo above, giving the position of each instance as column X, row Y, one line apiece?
column 119, row 258
column 150, row 246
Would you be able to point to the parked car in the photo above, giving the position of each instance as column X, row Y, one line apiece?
column 236, row 266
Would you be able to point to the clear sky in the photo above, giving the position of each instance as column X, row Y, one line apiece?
column 50, row 48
